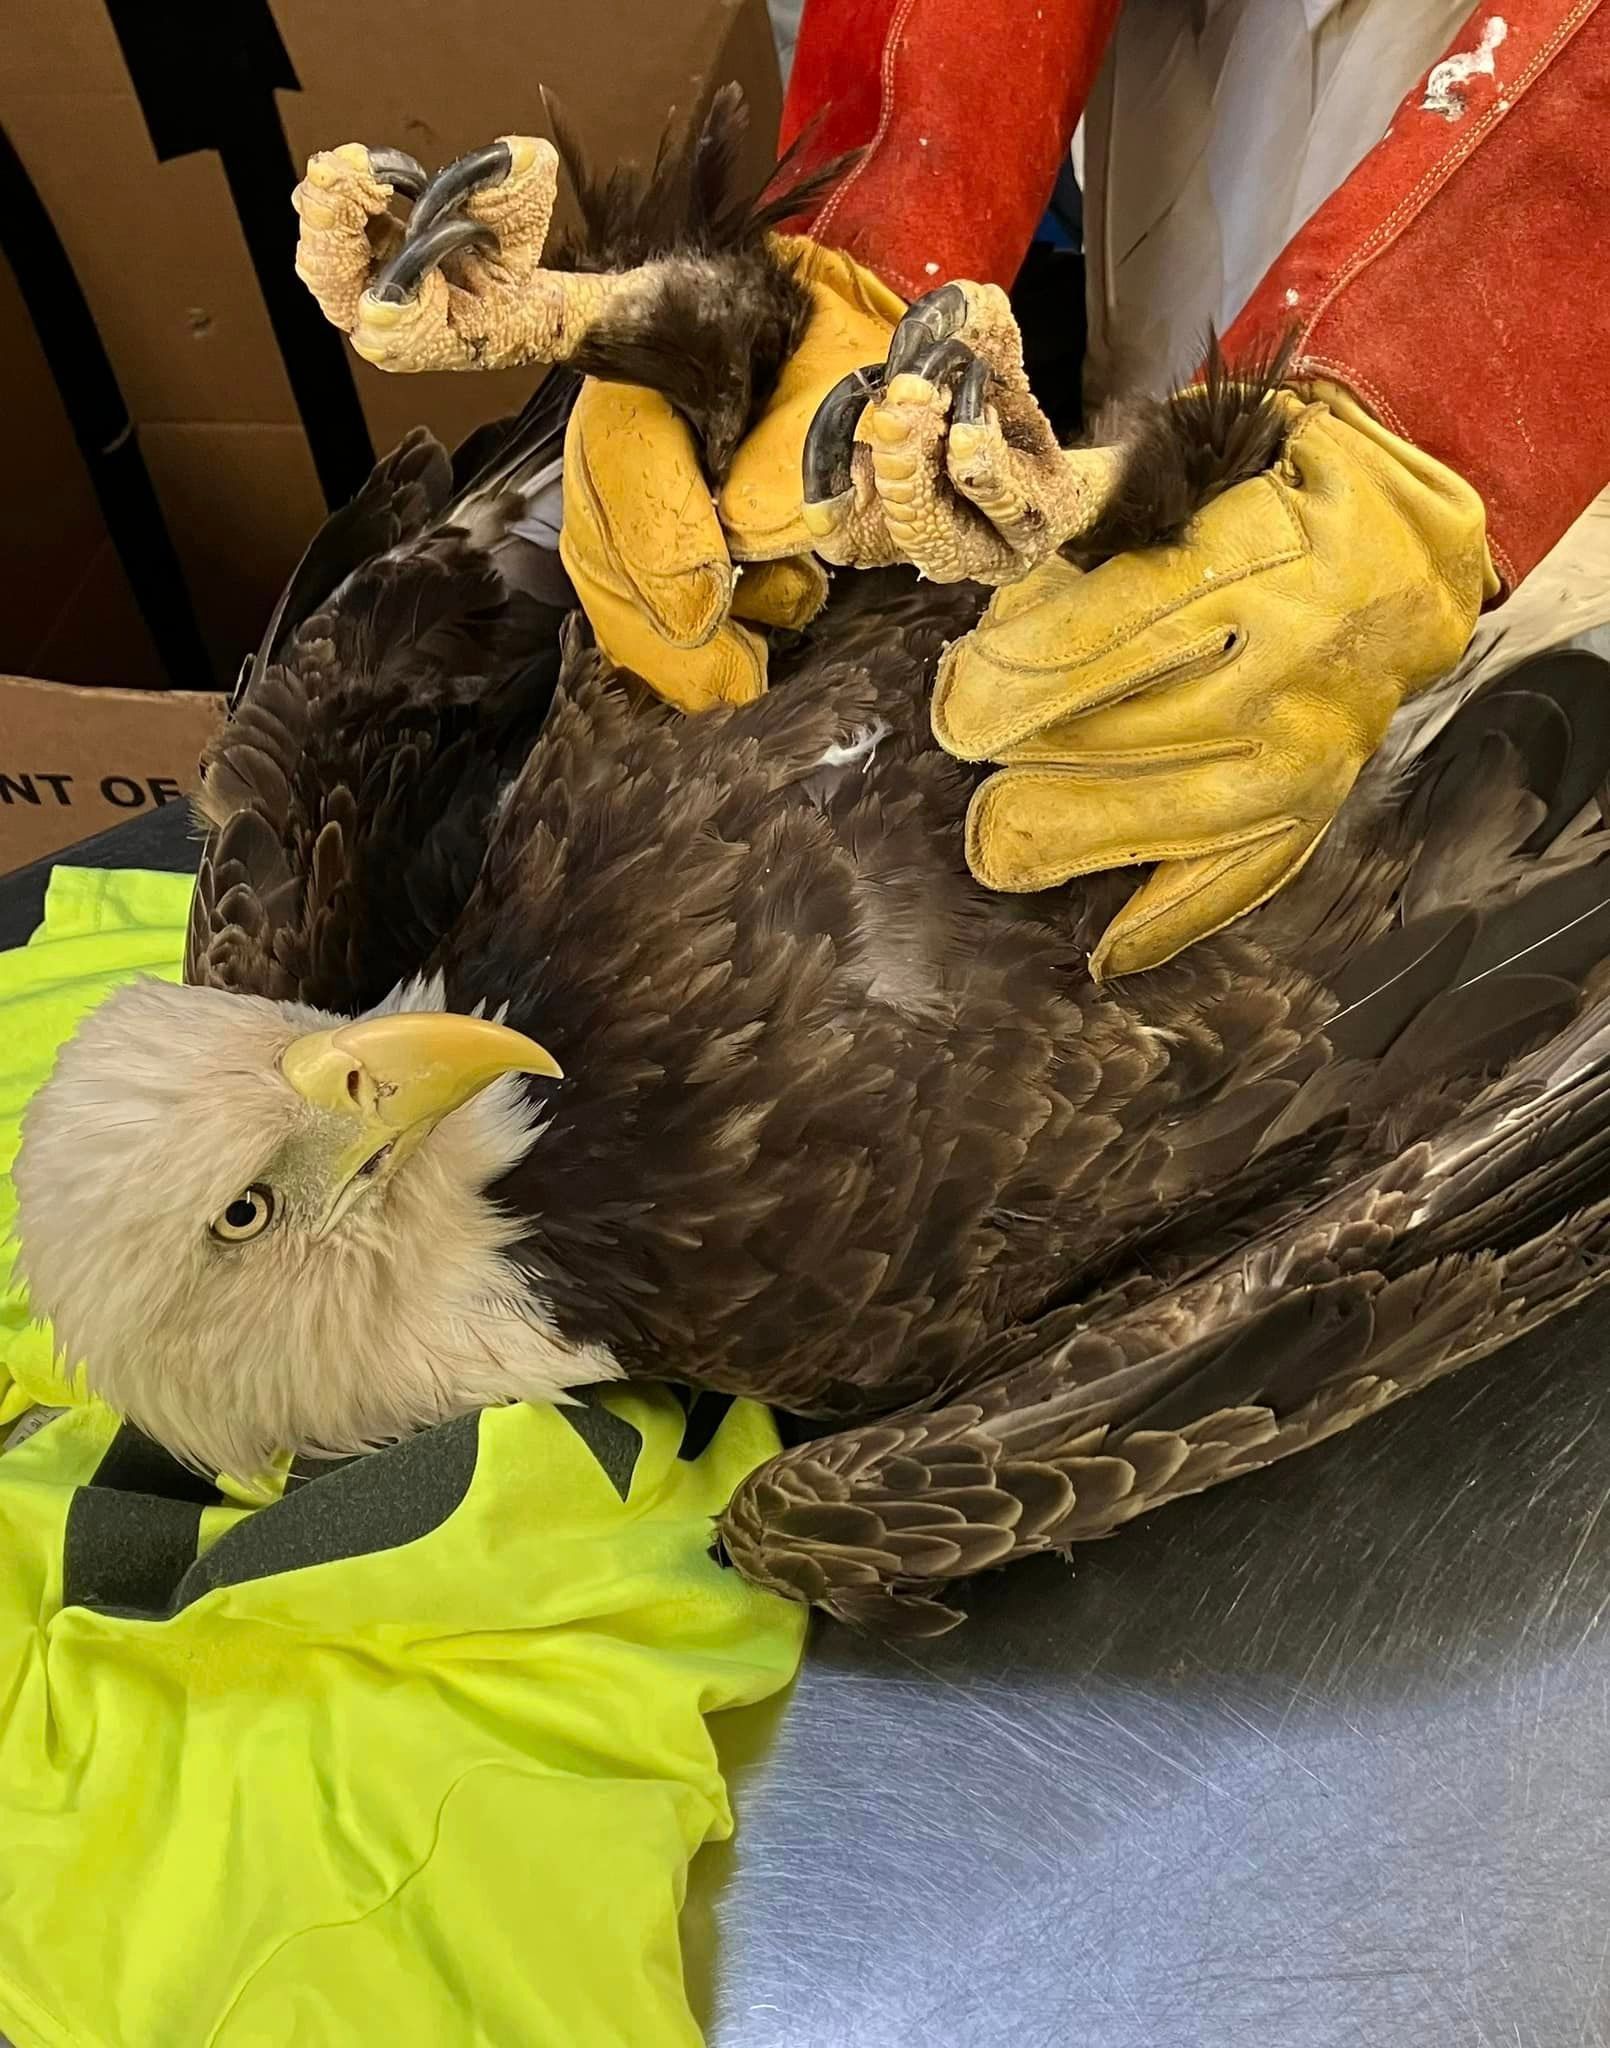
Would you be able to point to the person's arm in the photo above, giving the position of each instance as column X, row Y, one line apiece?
column 1204, row 709
column 1458, row 283
column 963, row 113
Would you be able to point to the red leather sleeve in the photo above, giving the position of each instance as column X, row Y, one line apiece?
column 1459, row 281
column 964, row 109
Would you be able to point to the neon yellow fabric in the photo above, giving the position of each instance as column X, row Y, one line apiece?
column 443, row 1792
column 101, row 926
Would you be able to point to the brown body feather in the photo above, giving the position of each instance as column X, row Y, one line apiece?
column 401, row 683
column 845, row 1131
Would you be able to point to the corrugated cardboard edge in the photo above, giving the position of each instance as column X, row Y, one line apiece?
column 76, row 759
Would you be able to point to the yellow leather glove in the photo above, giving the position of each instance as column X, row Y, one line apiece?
column 665, row 572
column 1208, row 706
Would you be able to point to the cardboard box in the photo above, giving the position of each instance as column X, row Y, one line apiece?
column 179, row 414
column 75, row 761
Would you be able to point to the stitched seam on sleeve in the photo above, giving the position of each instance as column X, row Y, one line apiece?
column 1384, row 233
column 825, row 218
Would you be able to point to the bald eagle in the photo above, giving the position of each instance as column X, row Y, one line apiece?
column 535, row 1035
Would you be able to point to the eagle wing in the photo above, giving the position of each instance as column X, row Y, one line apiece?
column 1440, row 1256
column 402, row 680
column 1438, row 1185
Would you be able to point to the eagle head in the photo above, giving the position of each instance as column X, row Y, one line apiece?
column 260, row 1228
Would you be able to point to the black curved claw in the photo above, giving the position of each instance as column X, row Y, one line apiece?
column 402, row 172
column 830, row 437
column 936, row 316
column 400, row 279
column 456, row 181
column 967, row 408
column 943, row 364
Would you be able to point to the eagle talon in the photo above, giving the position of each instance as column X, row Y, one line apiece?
column 967, row 408
column 453, row 184
column 400, row 279
column 937, row 316
column 402, row 172
column 485, row 216
column 950, row 465
column 941, row 366
column 830, row 440
column 436, row 227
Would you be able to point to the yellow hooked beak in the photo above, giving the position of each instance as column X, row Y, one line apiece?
column 397, row 1077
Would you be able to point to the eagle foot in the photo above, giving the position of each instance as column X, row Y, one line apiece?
column 460, row 285
column 943, row 448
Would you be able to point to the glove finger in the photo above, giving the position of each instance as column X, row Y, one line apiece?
column 1186, row 900
column 729, row 667
column 1182, row 716
column 1063, row 642
column 1031, row 828
column 986, row 708
column 788, row 593
column 639, row 512
column 761, row 502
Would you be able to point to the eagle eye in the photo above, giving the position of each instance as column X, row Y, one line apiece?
column 247, row 1216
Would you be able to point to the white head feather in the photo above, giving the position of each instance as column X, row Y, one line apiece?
column 163, row 1109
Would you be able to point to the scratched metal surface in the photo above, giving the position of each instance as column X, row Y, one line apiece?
column 1316, row 1761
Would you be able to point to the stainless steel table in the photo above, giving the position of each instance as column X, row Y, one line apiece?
column 1318, row 1760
